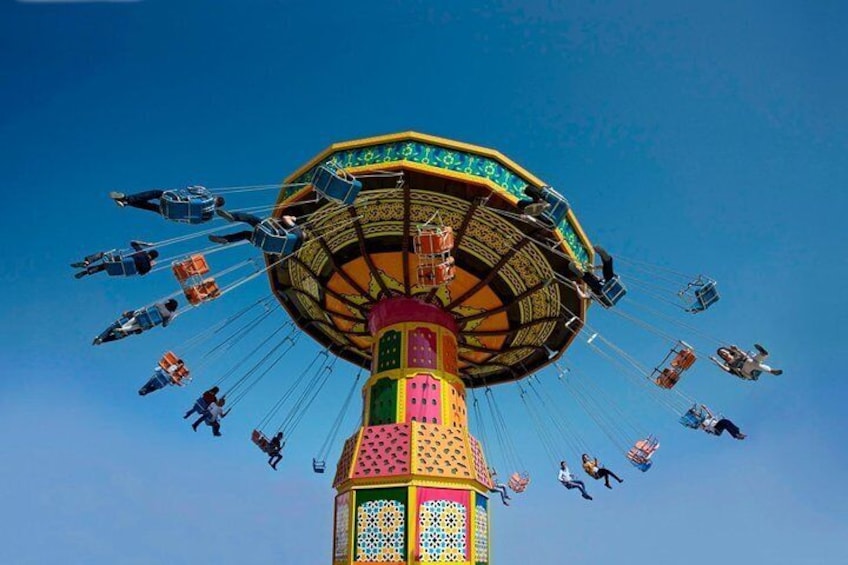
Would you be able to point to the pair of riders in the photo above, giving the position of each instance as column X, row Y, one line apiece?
column 211, row 410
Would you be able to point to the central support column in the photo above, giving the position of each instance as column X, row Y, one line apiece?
column 412, row 482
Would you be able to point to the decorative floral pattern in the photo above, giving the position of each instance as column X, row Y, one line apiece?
column 380, row 531
column 442, row 531
column 481, row 534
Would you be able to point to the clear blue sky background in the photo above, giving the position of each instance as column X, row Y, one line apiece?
column 704, row 137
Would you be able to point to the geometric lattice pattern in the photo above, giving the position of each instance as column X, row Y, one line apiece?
column 380, row 531
column 480, row 468
column 481, row 534
column 442, row 526
column 441, row 451
column 421, row 345
column 342, row 538
column 346, row 460
column 384, row 451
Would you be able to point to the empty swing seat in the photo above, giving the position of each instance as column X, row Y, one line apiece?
column 261, row 440
column 319, row 465
column 271, row 237
column 518, row 482
column 642, row 451
column 193, row 266
column 192, row 205
column 434, row 240
column 705, row 297
column 558, row 206
column 117, row 266
column 335, row 184
column 684, row 359
column 612, row 291
column 148, row 318
column 438, row 274
column 203, row 292
column 668, row 378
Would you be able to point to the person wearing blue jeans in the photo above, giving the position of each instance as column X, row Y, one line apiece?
column 569, row 482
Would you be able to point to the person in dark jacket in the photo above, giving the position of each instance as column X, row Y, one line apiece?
column 275, row 448
column 115, row 264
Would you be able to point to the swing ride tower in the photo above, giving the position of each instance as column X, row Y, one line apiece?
column 412, row 483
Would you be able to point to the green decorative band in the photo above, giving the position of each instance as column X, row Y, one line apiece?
column 443, row 158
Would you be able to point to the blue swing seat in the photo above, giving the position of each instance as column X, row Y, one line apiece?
column 612, row 291
column 271, row 237
column 705, row 296
column 335, row 184
column 693, row 418
column 192, row 205
column 555, row 213
column 118, row 266
column 319, row 465
column 148, row 318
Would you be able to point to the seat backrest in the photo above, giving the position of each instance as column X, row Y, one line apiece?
column 684, row 359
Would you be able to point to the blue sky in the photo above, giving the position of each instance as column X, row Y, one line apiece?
column 707, row 138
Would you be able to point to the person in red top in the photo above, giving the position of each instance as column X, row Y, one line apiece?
column 208, row 398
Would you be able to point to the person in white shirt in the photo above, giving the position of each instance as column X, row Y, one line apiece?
column 716, row 426
column 213, row 416
column 569, row 482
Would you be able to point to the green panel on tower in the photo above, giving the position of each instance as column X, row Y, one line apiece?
column 384, row 398
column 389, row 351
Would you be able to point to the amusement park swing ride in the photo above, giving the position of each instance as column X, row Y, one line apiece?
column 439, row 269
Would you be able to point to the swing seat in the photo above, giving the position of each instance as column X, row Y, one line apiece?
column 203, row 292
column 558, row 207
column 192, row 205
column 261, row 440
column 693, row 418
column 177, row 375
column 148, row 318
column 319, row 465
column 684, row 359
column 336, row 184
column 117, row 266
column 201, row 406
column 668, row 378
column 518, row 481
column 705, row 296
column 271, row 237
column 612, row 291
column 158, row 381
column 438, row 274
column 642, row 451
column 433, row 240
column 193, row 266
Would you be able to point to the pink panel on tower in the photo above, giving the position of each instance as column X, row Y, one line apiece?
column 423, row 399
column 384, row 451
column 421, row 348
